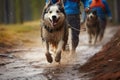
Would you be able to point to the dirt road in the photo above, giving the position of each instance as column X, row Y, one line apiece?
column 30, row 63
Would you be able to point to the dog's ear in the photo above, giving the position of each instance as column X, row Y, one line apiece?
column 48, row 3
column 45, row 8
column 61, row 3
column 87, row 10
column 61, row 6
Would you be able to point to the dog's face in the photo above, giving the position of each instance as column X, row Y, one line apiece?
column 54, row 15
column 92, row 15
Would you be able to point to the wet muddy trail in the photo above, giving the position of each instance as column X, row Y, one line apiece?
column 31, row 64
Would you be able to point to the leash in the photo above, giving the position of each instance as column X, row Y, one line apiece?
column 83, row 29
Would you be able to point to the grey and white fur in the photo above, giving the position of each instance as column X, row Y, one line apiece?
column 94, row 28
column 54, row 29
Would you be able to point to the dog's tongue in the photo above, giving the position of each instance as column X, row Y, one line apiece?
column 54, row 22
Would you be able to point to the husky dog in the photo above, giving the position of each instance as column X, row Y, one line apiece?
column 94, row 29
column 54, row 30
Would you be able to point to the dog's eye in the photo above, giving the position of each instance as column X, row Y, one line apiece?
column 50, row 11
column 57, row 11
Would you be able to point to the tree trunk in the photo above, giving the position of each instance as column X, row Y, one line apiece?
column 11, row 11
column 1, row 11
column 6, row 11
column 27, row 13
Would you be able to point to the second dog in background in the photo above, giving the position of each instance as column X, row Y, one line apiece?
column 94, row 29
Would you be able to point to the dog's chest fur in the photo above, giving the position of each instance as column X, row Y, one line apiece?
column 92, row 25
column 54, row 36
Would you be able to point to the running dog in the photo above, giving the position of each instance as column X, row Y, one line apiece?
column 93, row 27
column 54, row 30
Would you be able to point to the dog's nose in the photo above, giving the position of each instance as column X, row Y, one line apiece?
column 91, row 16
column 54, row 17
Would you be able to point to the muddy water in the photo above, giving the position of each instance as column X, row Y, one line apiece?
column 30, row 64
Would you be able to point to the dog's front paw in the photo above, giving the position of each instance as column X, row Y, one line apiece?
column 58, row 57
column 49, row 57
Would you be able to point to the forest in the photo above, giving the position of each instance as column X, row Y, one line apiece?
column 18, row 11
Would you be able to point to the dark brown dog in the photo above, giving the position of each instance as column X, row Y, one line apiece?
column 93, row 27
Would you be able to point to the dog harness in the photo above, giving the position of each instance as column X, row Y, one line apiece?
column 52, row 30
column 97, row 3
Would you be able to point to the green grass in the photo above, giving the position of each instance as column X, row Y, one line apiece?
column 16, row 35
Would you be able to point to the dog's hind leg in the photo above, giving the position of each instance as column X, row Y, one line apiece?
column 89, row 37
column 59, row 50
column 102, row 29
column 96, row 37
column 101, row 34
column 48, row 55
column 65, row 46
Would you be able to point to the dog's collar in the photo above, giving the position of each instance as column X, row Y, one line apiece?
column 52, row 30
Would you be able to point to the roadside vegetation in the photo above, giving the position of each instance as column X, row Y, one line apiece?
column 18, row 34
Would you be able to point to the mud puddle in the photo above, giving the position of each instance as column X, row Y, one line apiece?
column 31, row 64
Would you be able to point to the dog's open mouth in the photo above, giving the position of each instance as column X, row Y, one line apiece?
column 54, row 21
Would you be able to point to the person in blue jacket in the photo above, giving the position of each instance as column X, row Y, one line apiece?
column 72, row 10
